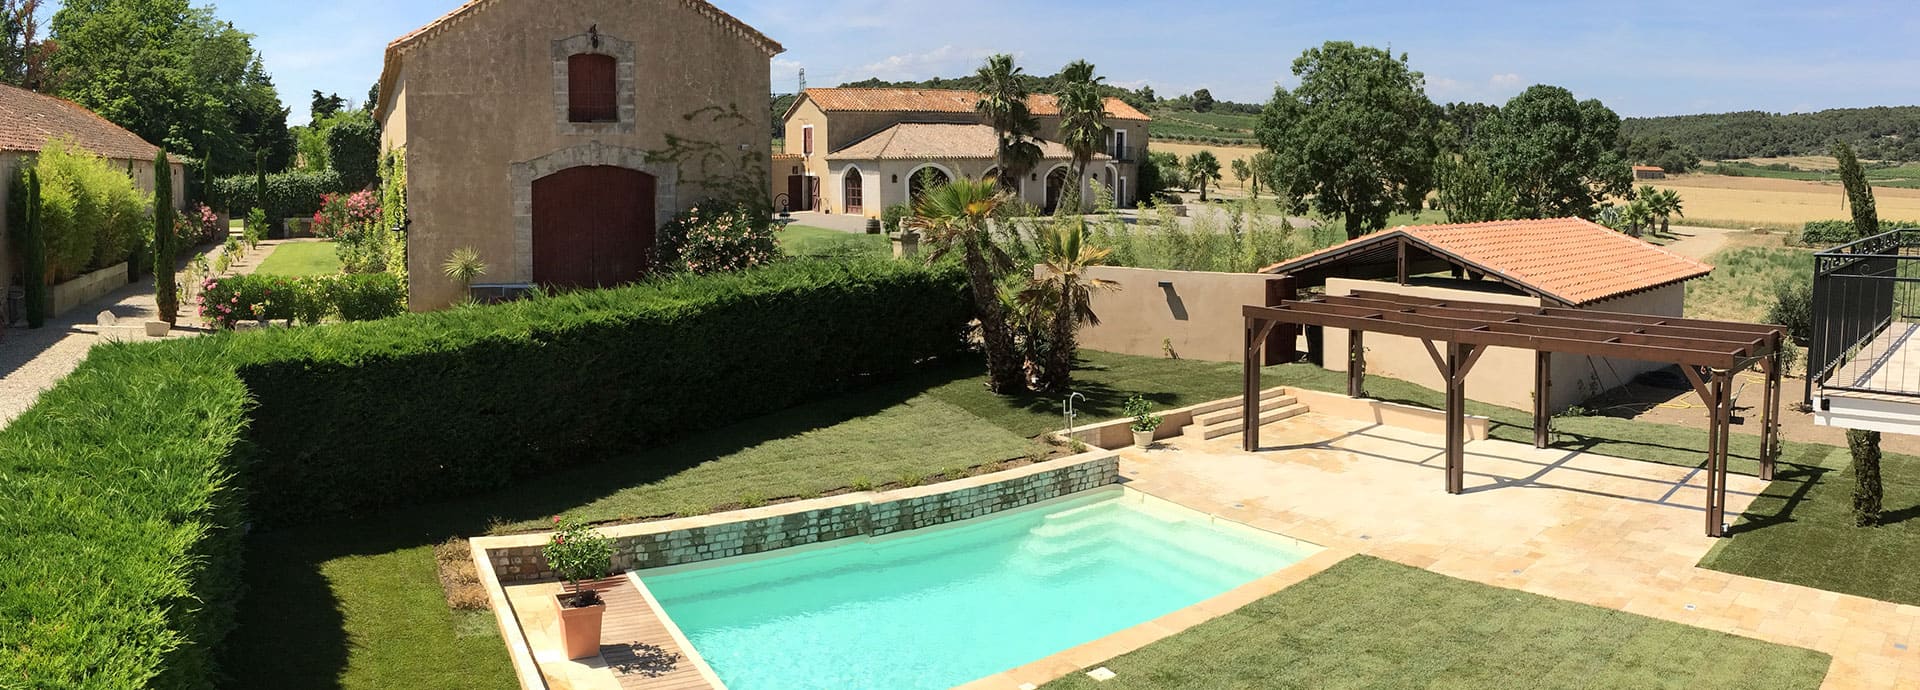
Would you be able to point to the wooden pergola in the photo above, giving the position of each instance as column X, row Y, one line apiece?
column 1456, row 333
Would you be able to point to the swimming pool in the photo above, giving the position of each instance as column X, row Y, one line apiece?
column 948, row 605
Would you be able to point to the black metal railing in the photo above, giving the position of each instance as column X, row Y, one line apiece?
column 1866, row 309
column 1124, row 154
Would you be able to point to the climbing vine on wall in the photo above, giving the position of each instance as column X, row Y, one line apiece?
column 726, row 173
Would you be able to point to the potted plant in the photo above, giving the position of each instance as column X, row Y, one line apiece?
column 1144, row 420
column 577, row 553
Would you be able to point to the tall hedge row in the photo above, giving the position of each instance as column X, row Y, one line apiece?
column 293, row 194
column 121, row 491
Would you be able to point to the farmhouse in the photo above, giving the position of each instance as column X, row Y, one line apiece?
column 1556, row 262
column 554, row 139
column 1649, row 172
column 862, row 150
column 28, row 121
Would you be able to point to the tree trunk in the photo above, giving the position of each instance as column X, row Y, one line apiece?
column 1070, row 192
column 1203, row 189
column 1866, row 476
column 1059, row 365
column 1666, row 227
column 1355, row 230
column 1004, row 374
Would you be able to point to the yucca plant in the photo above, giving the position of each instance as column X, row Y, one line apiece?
column 464, row 266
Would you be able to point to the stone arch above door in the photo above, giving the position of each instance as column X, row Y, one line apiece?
column 521, row 176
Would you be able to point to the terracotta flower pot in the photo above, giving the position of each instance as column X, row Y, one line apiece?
column 580, row 627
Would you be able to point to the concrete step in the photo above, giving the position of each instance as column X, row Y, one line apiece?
column 1232, row 426
column 1234, row 402
column 1236, row 411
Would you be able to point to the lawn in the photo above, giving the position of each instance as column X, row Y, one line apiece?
column 360, row 601
column 1369, row 623
column 301, row 259
column 809, row 241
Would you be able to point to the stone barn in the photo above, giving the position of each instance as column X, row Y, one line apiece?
column 555, row 137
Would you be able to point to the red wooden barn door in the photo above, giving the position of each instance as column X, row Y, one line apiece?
column 593, row 226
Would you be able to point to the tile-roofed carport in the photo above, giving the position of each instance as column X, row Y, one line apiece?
column 1568, row 260
column 29, row 120
column 933, row 141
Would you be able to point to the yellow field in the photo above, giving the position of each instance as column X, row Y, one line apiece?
column 1226, row 154
column 1762, row 201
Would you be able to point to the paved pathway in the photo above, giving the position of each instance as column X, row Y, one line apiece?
column 33, row 360
column 1593, row 529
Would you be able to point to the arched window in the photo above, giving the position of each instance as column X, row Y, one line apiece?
column 590, row 89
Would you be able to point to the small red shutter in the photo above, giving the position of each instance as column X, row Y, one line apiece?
column 806, row 140
column 590, row 89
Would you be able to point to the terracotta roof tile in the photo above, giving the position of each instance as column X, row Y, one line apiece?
column 941, row 101
column 28, row 120
column 1649, row 168
column 930, row 141
column 1574, row 261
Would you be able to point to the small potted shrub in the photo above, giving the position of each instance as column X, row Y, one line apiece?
column 1144, row 420
column 578, row 553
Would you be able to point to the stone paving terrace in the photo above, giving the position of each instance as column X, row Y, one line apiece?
column 1588, row 528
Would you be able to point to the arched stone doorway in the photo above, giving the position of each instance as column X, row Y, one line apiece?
column 925, row 178
column 593, row 226
column 853, row 192
column 1056, row 185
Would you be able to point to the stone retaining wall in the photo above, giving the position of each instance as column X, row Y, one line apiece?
column 693, row 540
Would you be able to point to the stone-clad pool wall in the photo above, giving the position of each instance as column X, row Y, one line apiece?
column 517, row 559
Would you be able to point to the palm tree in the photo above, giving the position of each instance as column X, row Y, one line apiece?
column 1064, row 289
column 1203, row 167
column 954, row 218
column 1636, row 216
column 1003, row 100
column 1083, row 126
column 1671, row 205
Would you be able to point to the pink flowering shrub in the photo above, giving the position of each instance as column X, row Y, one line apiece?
column 342, row 216
column 716, row 237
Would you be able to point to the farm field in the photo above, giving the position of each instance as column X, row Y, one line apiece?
column 1226, row 154
column 1778, row 203
column 1187, row 124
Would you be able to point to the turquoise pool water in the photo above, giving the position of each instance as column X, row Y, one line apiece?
column 953, row 604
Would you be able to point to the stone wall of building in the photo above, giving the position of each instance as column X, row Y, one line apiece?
column 695, row 540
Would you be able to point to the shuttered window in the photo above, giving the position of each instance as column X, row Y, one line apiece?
column 590, row 89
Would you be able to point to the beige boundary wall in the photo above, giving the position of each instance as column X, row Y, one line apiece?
column 1199, row 312
column 1503, row 376
column 517, row 558
column 76, row 293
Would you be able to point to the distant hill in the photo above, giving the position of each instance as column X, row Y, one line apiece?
column 1885, row 133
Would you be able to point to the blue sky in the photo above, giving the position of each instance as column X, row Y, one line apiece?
column 1641, row 58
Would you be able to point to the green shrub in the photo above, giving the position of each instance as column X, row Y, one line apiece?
column 120, row 536
column 891, row 216
column 1793, row 308
column 288, row 195
column 1827, row 233
column 717, row 236
column 90, row 212
column 361, row 297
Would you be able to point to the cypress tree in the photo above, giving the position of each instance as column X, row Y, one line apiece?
column 1866, row 476
column 165, row 294
column 35, row 260
column 1866, row 221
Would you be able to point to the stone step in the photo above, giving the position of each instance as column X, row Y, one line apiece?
column 1232, row 426
column 1237, row 411
column 1234, row 402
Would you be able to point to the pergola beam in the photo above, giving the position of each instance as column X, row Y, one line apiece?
column 1709, row 352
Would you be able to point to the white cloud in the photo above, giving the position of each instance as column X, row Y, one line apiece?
column 945, row 61
column 1508, row 80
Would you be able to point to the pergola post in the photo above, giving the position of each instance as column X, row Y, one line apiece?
column 1770, row 415
column 1454, row 368
column 1356, row 364
column 1542, row 400
column 1717, row 477
column 1250, row 415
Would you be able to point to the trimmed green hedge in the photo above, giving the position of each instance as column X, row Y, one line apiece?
column 293, row 194
column 121, row 490
column 1821, row 233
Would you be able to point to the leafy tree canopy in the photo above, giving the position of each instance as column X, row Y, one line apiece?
column 1203, row 101
column 1358, row 137
column 1556, row 155
column 175, row 75
column 1881, row 133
